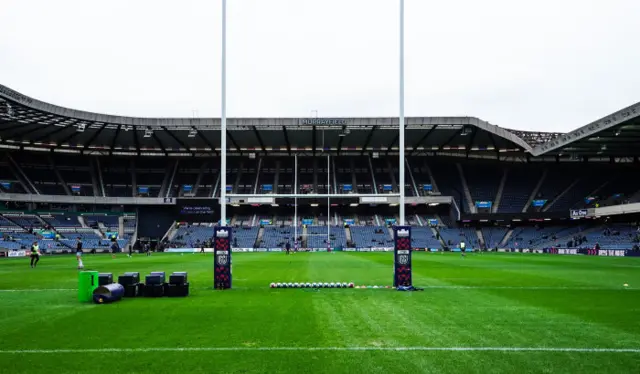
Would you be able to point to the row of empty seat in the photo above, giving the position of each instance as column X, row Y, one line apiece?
column 562, row 186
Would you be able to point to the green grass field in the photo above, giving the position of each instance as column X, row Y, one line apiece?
column 486, row 313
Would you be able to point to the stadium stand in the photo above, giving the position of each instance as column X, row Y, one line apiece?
column 532, row 237
column 245, row 237
column 518, row 188
column 277, row 237
column 97, row 163
column 493, row 236
column 370, row 236
column 453, row 236
column 423, row 237
column 193, row 235
column 317, row 237
column 615, row 236
column 483, row 180
column 60, row 220
column 95, row 221
column 449, row 183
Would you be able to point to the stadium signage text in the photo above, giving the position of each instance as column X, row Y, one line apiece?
column 14, row 95
column 612, row 252
column 562, row 251
column 578, row 213
column 17, row 254
column 320, row 121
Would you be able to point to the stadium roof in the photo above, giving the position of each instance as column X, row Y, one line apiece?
column 27, row 123
column 617, row 134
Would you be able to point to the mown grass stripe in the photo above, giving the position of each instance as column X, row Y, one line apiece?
column 308, row 349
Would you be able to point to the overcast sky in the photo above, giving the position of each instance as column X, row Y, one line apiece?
column 553, row 65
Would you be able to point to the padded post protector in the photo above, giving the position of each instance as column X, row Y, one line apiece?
column 222, row 258
column 129, row 278
column 161, row 274
column 105, row 278
column 154, row 290
column 402, row 274
column 131, row 290
column 108, row 293
column 153, row 279
column 178, row 277
column 87, row 282
column 177, row 290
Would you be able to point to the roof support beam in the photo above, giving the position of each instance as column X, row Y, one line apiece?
column 495, row 147
column 55, row 131
column 255, row 131
column 174, row 137
column 393, row 142
column 15, row 126
column 286, row 139
column 67, row 138
column 93, row 137
column 155, row 137
column 471, row 139
column 115, row 138
column 233, row 141
column 314, row 139
column 341, row 139
column 368, row 140
column 29, row 128
column 422, row 140
column 448, row 141
column 136, row 140
column 209, row 144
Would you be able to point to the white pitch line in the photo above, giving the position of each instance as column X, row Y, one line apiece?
column 522, row 288
column 40, row 290
column 332, row 349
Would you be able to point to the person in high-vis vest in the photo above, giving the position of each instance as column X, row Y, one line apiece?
column 35, row 254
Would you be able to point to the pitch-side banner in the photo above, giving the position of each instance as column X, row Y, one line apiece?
column 558, row 251
column 17, row 253
column 208, row 250
column 593, row 252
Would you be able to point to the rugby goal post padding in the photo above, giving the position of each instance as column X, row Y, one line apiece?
column 402, row 275
column 222, row 258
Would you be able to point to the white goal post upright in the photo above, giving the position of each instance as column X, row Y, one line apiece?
column 223, row 121
column 401, row 121
column 329, row 201
column 295, row 199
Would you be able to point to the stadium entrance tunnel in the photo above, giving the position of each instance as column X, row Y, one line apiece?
column 108, row 293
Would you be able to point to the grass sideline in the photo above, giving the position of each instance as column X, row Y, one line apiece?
column 498, row 313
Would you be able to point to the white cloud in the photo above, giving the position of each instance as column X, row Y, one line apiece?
column 548, row 66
